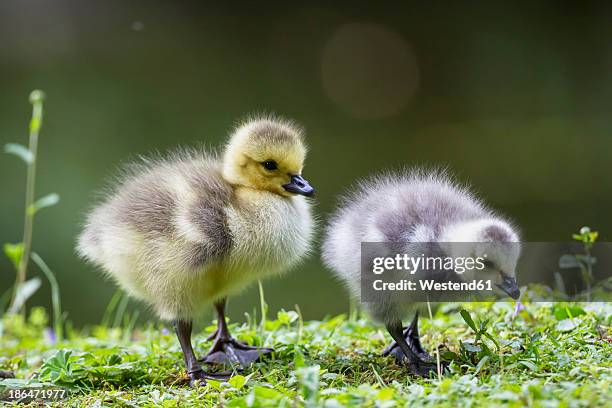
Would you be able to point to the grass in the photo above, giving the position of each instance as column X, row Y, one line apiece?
column 545, row 354
column 549, row 354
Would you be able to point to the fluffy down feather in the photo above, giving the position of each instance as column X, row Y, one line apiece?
column 177, row 234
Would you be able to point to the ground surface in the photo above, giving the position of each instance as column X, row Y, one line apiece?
column 550, row 354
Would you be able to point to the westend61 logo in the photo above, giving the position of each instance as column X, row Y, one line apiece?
column 476, row 271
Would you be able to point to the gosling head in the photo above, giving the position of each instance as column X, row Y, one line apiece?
column 267, row 154
column 493, row 240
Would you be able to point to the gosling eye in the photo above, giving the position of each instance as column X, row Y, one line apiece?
column 270, row 165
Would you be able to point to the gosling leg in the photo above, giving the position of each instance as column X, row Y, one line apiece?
column 411, row 334
column 226, row 349
column 194, row 370
column 415, row 364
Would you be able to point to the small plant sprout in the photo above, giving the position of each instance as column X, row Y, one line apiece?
column 19, row 253
column 584, row 261
column 481, row 331
column 263, row 307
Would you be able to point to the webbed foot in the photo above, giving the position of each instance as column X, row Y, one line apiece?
column 427, row 369
column 407, row 350
column 229, row 351
column 411, row 335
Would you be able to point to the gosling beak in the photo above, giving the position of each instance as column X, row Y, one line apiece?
column 299, row 186
column 509, row 286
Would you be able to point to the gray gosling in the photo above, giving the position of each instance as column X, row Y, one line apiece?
column 191, row 229
column 416, row 206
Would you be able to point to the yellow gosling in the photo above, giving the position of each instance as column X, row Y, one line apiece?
column 188, row 230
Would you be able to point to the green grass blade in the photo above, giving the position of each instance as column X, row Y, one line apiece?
column 58, row 318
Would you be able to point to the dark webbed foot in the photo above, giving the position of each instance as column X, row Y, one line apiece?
column 227, row 350
column 427, row 369
column 411, row 335
column 407, row 350
column 394, row 350
column 422, row 367
column 232, row 352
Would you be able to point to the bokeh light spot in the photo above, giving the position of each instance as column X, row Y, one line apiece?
column 369, row 71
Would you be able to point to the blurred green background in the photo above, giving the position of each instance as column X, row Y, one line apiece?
column 515, row 100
